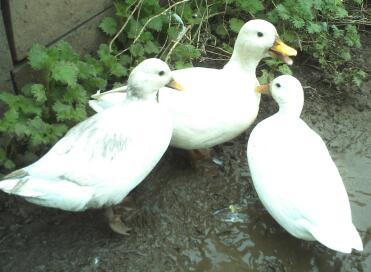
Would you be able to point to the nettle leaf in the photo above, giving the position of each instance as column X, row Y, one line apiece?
column 63, row 111
column 75, row 94
column 236, row 24
column 38, row 57
column 221, row 30
column 118, row 85
column 134, row 28
column 105, row 56
column 155, row 24
column 86, row 70
column 125, row 59
column 38, row 92
column 63, row 51
column 251, row 6
column 118, row 70
column 8, row 98
column 98, row 83
column 345, row 54
column 298, row 22
column 109, row 26
column 22, row 129
column 182, row 65
column 11, row 116
column 8, row 164
column 65, row 72
column 96, row 63
column 285, row 69
column 265, row 77
column 137, row 50
column 314, row 28
column 340, row 12
column 150, row 47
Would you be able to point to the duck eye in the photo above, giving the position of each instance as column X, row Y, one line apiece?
column 260, row 34
column 161, row 73
column 278, row 85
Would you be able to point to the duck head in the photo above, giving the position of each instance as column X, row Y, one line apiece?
column 288, row 92
column 258, row 39
column 148, row 77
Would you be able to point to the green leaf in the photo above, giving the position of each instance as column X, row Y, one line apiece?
column 221, row 30
column 38, row 57
column 63, row 111
column 86, row 70
column 38, row 92
column 137, row 50
column 134, row 28
column 105, row 56
column 8, row 164
column 298, row 22
column 22, row 129
column 125, row 59
column 285, row 69
column 11, row 116
column 150, row 48
column 252, row 6
column 118, row 70
column 236, row 24
column 65, row 72
column 265, row 78
column 155, row 24
column 314, row 28
column 109, row 26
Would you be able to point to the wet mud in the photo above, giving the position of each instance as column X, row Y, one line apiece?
column 204, row 219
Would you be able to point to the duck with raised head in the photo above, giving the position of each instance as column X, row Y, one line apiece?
column 219, row 104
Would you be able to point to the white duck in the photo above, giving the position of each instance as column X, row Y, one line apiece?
column 219, row 104
column 295, row 177
column 100, row 160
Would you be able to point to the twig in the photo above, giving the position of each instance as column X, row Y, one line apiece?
column 178, row 39
column 148, row 21
column 124, row 25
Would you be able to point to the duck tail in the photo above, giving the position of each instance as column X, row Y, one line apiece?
column 11, row 182
column 341, row 239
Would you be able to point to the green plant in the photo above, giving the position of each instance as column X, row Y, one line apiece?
column 323, row 30
column 42, row 112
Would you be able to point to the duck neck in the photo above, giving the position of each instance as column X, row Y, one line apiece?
column 242, row 61
column 136, row 94
column 291, row 110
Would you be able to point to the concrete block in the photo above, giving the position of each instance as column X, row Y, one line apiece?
column 6, row 63
column 45, row 21
column 84, row 39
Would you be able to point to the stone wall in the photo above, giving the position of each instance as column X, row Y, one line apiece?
column 25, row 22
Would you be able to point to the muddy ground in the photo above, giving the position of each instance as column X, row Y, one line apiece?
column 179, row 214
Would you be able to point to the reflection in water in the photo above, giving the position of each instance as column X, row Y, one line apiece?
column 248, row 239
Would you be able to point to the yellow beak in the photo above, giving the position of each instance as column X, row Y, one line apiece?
column 175, row 85
column 263, row 89
column 283, row 51
column 280, row 47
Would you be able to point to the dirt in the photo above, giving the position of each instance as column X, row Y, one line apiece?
column 178, row 214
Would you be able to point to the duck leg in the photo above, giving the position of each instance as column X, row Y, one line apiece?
column 201, row 161
column 199, row 154
column 115, row 222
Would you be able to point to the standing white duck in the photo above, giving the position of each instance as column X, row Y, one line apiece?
column 219, row 104
column 100, row 160
column 295, row 177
